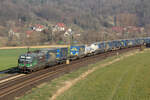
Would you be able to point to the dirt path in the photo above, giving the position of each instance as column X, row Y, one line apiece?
column 69, row 84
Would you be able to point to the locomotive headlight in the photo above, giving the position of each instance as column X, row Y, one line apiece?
column 21, row 64
column 29, row 65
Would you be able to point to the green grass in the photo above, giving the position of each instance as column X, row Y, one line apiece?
column 8, row 58
column 127, row 79
column 46, row 90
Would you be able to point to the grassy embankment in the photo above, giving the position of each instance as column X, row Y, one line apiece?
column 127, row 79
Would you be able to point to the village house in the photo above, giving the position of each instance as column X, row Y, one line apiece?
column 59, row 27
column 28, row 33
column 14, row 32
column 129, row 29
column 38, row 28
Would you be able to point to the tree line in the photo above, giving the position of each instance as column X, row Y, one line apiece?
column 85, row 14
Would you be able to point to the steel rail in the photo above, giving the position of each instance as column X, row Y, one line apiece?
column 14, row 85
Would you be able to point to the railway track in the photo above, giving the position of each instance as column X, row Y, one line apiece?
column 9, row 89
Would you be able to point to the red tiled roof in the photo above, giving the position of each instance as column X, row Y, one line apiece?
column 39, row 26
column 29, row 32
column 61, row 24
column 117, row 28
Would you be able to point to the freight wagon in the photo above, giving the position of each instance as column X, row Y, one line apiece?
column 77, row 51
column 33, row 61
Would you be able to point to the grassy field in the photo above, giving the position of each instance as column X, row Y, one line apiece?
column 46, row 90
column 127, row 79
column 8, row 57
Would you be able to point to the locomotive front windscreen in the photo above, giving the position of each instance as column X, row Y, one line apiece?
column 25, row 59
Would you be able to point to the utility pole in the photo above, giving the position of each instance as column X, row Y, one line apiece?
column 28, row 43
column 71, row 39
column 70, row 44
column 52, row 36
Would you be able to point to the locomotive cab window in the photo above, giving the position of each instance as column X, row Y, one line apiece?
column 23, row 59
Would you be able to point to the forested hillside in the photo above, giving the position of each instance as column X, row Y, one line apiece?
column 83, row 16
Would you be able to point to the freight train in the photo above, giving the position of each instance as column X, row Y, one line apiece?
column 40, row 59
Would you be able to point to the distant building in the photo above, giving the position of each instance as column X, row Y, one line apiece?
column 68, row 32
column 38, row 28
column 14, row 32
column 129, row 29
column 28, row 33
column 117, row 29
column 59, row 27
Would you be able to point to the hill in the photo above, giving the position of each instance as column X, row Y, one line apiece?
column 84, row 16
column 85, row 13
